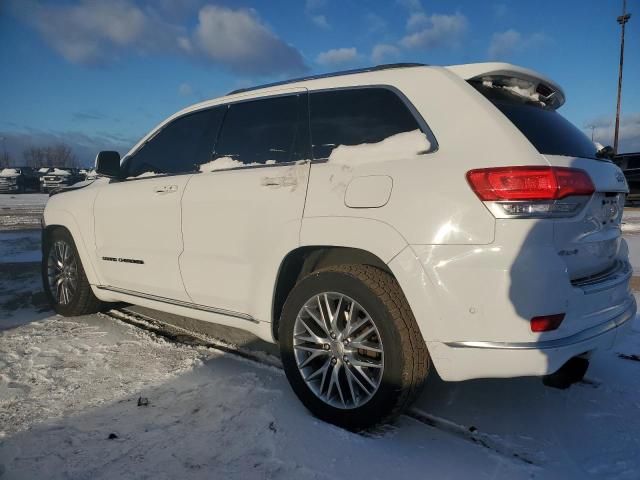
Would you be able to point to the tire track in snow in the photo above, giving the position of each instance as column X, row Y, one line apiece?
column 181, row 335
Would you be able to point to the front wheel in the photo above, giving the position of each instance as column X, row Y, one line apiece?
column 64, row 279
column 351, row 347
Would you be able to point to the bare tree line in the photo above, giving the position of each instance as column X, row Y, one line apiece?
column 58, row 155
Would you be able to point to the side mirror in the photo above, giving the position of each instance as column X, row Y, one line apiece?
column 108, row 164
column 606, row 152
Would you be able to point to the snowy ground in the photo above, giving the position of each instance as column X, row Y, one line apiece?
column 21, row 211
column 94, row 397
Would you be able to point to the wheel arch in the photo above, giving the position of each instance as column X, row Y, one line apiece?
column 303, row 260
column 60, row 219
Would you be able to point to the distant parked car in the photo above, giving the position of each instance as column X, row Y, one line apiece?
column 630, row 165
column 59, row 177
column 91, row 174
column 18, row 179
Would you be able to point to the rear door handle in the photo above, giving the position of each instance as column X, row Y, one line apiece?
column 166, row 189
column 287, row 181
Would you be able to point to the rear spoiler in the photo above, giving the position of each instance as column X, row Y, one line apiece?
column 549, row 91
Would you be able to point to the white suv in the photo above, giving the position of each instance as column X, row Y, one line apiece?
column 377, row 224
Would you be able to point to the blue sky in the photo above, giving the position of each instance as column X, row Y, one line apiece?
column 100, row 74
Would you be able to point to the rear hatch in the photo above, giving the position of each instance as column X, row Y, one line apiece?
column 590, row 241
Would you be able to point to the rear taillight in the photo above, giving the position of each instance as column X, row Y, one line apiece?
column 531, row 191
column 546, row 323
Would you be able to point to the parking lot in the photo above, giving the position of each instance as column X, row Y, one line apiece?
column 96, row 396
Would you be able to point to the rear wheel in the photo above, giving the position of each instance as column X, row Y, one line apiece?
column 351, row 347
column 64, row 279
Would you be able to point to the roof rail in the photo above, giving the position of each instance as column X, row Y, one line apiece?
column 387, row 66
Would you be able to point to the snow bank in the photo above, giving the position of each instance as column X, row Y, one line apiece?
column 395, row 147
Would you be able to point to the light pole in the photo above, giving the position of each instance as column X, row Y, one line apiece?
column 5, row 157
column 622, row 20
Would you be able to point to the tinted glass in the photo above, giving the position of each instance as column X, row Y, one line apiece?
column 179, row 147
column 260, row 131
column 356, row 116
column 548, row 131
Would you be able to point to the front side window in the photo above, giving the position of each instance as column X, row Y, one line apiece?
column 356, row 117
column 260, row 132
column 179, row 147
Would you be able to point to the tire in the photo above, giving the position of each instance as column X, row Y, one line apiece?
column 395, row 346
column 79, row 299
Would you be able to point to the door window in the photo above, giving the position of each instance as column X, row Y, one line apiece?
column 179, row 147
column 355, row 117
column 260, row 132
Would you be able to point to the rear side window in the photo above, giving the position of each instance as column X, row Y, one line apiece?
column 179, row 147
column 356, row 116
column 260, row 131
column 548, row 131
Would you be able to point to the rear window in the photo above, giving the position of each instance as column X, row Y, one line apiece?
column 548, row 131
column 356, row 117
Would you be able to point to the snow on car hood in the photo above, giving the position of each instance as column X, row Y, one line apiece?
column 9, row 172
column 401, row 145
column 58, row 171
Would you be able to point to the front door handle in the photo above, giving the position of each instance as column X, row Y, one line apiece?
column 166, row 189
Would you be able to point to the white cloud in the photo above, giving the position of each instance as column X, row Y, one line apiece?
column 95, row 32
column 411, row 5
column 383, row 52
column 500, row 10
column 375, row 23
column 239, row 40
column 417, row 20
column 185, row 90
column 311, row 9
column 320, row 21
column 436, row 30
column 337, row 57
column 603, row 131
column 507, row 43
column 315, row 4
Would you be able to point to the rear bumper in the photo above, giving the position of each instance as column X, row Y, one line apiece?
column 474, row 304
column 467, row 360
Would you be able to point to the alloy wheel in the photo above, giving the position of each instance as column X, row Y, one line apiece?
column 62, row 272
column 338, row 350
